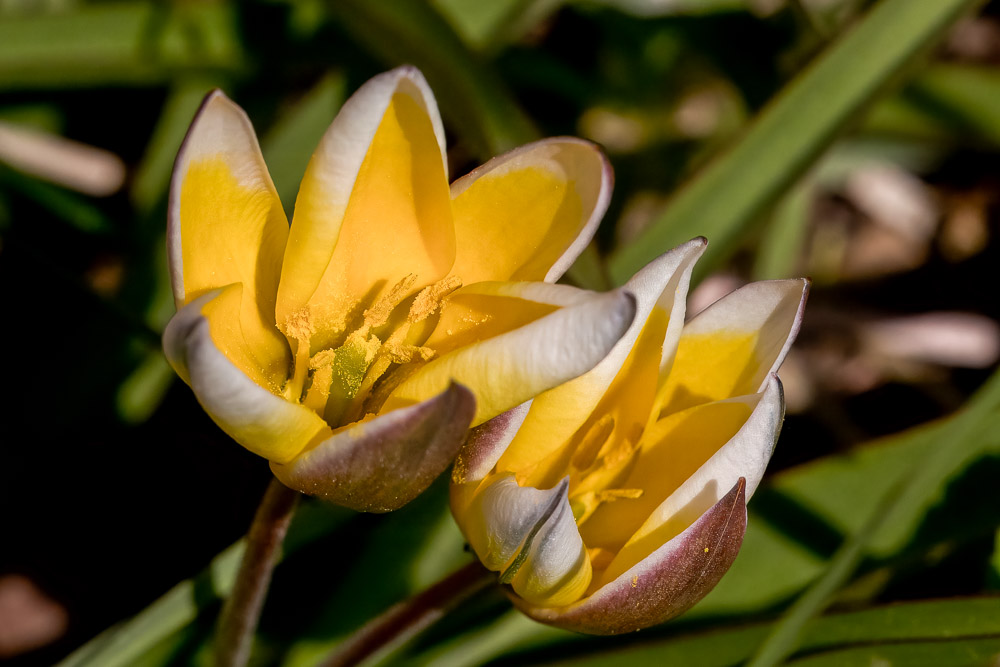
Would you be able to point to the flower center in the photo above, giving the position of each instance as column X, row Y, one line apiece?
column 600, row 461
column 356, row 352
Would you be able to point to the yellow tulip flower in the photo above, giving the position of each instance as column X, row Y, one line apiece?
column 617, row 500
column 354, row 348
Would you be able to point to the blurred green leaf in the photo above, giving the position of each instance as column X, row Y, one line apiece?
column 143, row 390
column 152, row 176
column 993, row 577
column 125, row 42
column 959, row 623
column 964, row 653
column 788, row 136
column 473, row 98
column 73, row 209
column 488, row 26
column 289, row 143
column 784, row 236
column 406, row 552
column 967, row 96
column 909, row 494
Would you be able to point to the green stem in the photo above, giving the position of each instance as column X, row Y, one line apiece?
column 241, row 611
column 405, row 619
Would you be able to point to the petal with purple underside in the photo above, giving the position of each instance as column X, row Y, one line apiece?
column 744, row 456
column 381, row 464
column 486, row 443
column 666, row 583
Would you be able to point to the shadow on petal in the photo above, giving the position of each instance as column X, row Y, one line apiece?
column 666, row 583
column 382, row 464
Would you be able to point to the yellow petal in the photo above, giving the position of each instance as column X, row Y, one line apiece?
column 733, row 345
column 744, row 456
column 528, row 214
column 203, row 344
column 627, row 376
column 374, row 205
column 672, row 450
column 508, row 368
column 226, row 225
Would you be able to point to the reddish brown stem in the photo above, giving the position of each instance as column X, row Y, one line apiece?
column 241, row 611
column 404, row 620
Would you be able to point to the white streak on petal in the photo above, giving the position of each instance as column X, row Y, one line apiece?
column 508, row 369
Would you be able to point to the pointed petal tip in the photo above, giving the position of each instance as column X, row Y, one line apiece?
column 382, row 464
column 486, row 443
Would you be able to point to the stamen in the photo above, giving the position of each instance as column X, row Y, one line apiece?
column 429, row 298
column 319, row 390
column 585, row 504
column 298, row 327
column 609, row 495
column 379, row 313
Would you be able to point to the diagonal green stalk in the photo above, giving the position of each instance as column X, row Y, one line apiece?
column 241, row 611
column 792, row 132
column 961, row 438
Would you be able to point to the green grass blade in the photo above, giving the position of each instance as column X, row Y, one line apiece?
column 125, row 644
column 792, row 132
column 964, row 436
column 289, row 143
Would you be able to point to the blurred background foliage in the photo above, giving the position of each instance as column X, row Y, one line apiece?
column 854, row 142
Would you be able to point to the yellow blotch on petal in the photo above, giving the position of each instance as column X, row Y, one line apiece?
column 672, row 451
column 234, row 231
column 710, row 367
column 496, row 245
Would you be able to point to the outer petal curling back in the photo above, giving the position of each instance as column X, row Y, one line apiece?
column 508, row 369
column 257, row 419
column 381, row 464
column 667, row 583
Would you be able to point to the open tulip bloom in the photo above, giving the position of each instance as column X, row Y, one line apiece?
column 355, row 348
column 618, row 500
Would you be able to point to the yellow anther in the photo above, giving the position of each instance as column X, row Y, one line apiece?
column 299, row 325
column 608, row 495
column 429, row 298
column 404, row 354
column 319, row 391
column 379, row 313
column 323, row 359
